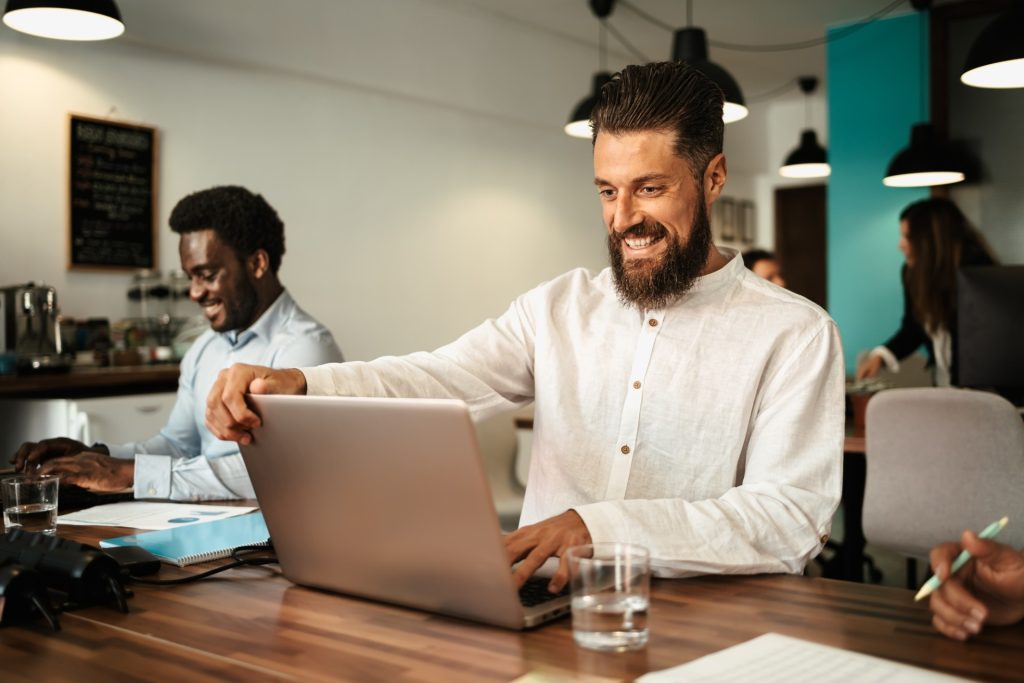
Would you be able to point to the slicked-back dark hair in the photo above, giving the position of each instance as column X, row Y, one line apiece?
column 665, row 96
column 242, row 220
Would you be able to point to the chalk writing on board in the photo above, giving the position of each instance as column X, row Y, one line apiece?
column 111, row 194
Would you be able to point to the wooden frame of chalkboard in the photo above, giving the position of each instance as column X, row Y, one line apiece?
column 111, row 194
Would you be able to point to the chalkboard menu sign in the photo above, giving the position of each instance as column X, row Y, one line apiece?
column 111, row 195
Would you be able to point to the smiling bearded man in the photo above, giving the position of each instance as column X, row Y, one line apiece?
column 680, row 402
column 231, row 245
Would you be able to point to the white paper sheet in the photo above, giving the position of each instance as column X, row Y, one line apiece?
column 143, row 515
column 774, row 658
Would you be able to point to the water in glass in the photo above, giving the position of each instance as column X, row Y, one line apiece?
column 32, row 517
column 610, row 621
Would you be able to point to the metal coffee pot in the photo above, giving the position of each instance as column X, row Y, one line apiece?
column 37, row 340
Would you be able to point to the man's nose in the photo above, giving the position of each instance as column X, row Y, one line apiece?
column 195, row 290
column 624, row 214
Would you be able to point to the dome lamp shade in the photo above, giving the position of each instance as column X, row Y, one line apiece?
column 65, row 19
column 927, row 161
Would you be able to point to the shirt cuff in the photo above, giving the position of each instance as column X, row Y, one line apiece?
column 600, row 525
column 318, row 381
column 153, row 476
column 123, row 451
column 887, row 356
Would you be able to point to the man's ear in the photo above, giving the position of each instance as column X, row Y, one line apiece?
column 714, row 178
column 258, row 263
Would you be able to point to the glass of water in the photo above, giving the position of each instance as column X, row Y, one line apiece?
column 30, row 502
column 611, row 588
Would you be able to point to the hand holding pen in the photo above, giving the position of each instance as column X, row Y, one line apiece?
column 989, row 589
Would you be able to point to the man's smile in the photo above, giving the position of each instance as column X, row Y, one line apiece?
column 211, row 309
column 641, row 241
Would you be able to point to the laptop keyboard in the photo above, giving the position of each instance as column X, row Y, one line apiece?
column 535, row 591
column 75, row 498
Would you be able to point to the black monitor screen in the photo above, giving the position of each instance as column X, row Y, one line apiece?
column 990, row 312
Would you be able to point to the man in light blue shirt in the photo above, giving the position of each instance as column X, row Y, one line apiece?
column 231, row 246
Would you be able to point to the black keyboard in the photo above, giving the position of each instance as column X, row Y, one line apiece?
column 535, row 591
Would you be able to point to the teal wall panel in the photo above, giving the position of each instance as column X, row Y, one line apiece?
column 877, row 89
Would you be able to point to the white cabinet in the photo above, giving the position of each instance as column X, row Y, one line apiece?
column 114, row 419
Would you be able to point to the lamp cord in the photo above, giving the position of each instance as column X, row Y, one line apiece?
column 769, row 94
column 622, row 39
column 778, row 47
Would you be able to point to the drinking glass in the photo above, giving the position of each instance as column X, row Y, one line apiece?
column 611, row 586
column 30, row 502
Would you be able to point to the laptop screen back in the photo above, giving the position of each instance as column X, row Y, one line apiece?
column 382, row 498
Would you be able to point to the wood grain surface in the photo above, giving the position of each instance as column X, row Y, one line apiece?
column 251, row 624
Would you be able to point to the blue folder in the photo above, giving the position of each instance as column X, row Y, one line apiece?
column 199, row 542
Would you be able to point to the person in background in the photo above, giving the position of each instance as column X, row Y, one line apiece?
column 231, row 246
column 936, row 240
column 681, row 403
column 989, row 589
column 764, row 264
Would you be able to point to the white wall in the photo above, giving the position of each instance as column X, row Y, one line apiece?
column 418, row 164
column 409, row 216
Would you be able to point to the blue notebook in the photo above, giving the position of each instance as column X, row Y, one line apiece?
column 198, row 542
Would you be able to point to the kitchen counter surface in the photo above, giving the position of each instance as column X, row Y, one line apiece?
column 88, row 382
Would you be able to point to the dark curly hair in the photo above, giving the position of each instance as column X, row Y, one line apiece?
column 668, row 96
column 242, row 220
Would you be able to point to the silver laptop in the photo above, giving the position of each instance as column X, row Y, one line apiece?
column 386, row 499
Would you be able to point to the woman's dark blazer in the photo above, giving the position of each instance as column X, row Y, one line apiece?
column 911, row 335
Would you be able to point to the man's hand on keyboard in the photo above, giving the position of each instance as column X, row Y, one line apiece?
column 92, row 470
column 32, row 454
column 535, row 543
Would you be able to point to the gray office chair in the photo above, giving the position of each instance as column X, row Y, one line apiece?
column 941, row 460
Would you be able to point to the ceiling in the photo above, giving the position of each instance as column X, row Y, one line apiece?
column 231, row 28
column 745, row 22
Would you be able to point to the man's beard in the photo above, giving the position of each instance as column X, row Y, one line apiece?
column 653, row 283
column 240, row 311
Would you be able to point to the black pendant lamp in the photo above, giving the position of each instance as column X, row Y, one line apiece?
column 579, row 120
column 578, row 125
column 690, row 45
column 809, row 160
column 996, row 59
column 65, row 19
column 927, row 161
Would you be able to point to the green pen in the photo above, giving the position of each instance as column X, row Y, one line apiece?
column 988, row 532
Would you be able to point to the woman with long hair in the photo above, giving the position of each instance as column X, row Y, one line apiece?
column 936, row 240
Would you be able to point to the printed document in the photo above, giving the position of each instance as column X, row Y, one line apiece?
column 774, row 658
column 143, row 515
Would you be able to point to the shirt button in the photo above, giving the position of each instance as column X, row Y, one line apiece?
column 824, row 539
column 625, row 450
column 636, row 384
column 652, row 322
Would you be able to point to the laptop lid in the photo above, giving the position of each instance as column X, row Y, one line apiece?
column 386, row 499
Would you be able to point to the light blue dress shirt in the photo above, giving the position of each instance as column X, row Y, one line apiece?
column 184, row 461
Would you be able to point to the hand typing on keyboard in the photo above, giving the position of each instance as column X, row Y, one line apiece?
column 535, row 543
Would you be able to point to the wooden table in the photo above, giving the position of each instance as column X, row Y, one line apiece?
column 253, row 625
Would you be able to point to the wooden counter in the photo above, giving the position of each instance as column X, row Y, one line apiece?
column 92, row 382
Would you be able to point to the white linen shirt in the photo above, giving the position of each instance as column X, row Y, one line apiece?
column 710, row 431
column 184, row 461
